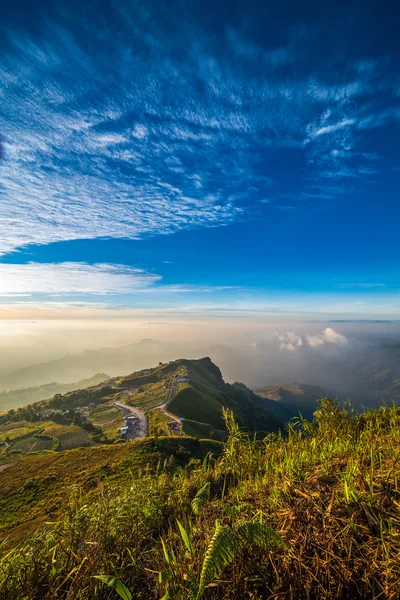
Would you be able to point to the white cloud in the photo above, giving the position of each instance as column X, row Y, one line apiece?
column 328, row 336
column 334, row 127
column 292, row 341
column 72, row 278
column 140, row 131
column 289, row 340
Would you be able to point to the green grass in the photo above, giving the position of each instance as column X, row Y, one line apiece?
column 196, row 429
column 32, row 444
column 74, row 438
column 313, row 514
column 157, row 422
column 16, row 429
column 205, row 397
column 55, row 429
column 21, row 435
column 105, row 414
column 147, row 402
column 36, row 487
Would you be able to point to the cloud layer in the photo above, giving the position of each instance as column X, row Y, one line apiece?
column 147, row 125
column 291, row 341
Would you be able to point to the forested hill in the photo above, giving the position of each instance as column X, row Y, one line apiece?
column 29, row 395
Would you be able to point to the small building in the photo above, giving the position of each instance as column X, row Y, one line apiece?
column 182, row 379
column 92, row 405
column 123, row 430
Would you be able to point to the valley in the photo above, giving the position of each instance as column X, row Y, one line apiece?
column 183, row 397
column 140, row 449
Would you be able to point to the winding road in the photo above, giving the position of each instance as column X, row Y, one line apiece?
column 140, row 431
column 171, row 395
column 137, row 431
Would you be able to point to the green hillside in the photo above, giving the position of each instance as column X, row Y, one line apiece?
column 34, row 488
column 202, row 399
column 311, row 515
column 190, row 389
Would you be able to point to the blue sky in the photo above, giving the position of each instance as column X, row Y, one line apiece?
column 237, row 157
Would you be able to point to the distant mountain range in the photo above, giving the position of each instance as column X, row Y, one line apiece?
column 75, row 367
column 365, row 377
column 294, row 398
column 29, row 395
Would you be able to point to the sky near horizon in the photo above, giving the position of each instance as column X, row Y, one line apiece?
column 223, row 159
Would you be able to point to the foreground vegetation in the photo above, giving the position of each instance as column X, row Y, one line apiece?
column 311, row 514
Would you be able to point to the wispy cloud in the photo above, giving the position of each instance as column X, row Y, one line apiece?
column 334, row 127
column 81, row 279
column 72, row 278
column 166, row 131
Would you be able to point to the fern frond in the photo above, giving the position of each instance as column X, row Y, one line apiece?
column 258, row 534
column 201, row 498
column 220, row 553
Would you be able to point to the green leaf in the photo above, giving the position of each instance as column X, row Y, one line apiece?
column 115, row 584
column 258, row 534
column 166, row 555
column 163, row 577
column 220, row 553
column 185, row 537
column 201, row 498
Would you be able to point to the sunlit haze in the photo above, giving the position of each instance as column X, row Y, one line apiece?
column 199, row 178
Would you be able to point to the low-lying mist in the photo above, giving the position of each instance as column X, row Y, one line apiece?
column 352, row 358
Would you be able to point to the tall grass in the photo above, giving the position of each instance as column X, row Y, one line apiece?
column 314, row 513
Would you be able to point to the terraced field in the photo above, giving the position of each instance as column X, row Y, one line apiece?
column 105, row 414
column 152, row 396
column 32, row 444
column 55, row 429
column 75, row 438
column 148, row 402
column 16, row 429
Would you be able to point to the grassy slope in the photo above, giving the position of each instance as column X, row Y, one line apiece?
column 157, row 423
column 35, row 488
column 331, row 490
column 203, row 399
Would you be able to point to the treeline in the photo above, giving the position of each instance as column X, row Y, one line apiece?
column 69, row 401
